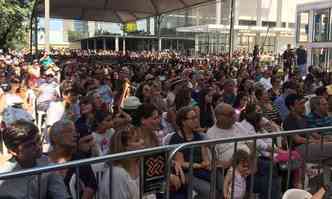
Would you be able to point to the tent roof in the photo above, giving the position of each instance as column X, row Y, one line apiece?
column 114, row 10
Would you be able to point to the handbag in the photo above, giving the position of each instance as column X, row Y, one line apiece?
column 288, row 160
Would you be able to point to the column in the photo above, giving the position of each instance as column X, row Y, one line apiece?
column 47, row 25
column 311, row 34
column 87, row 44
column 279, row 25
column 258, row 19
column 124, row 45
column 197, row 16
column 148, row 25
column 116, row 43
column 95, row 44
column 104, row 43
column 218, row 12
column 159, row 45
column 196, row 44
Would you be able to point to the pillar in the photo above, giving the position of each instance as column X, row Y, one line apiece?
column 159, row 45
column 104, row 43
column 197, row 16
column 116, row 43
column 258, row 19
column 218, row 12
column 47, row 25
column 279, row 25
column 124, row 45
column 95, row 44
column 196, row 44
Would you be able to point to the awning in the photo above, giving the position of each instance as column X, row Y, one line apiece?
column 114, row 10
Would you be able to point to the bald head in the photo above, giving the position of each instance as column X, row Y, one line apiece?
column 225, row 115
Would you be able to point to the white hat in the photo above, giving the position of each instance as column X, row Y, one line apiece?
column 131, row 103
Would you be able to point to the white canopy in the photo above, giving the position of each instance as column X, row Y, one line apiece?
column 114, row 10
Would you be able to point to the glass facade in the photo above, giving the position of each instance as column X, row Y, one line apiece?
column 322, row 25
column 322, row 57
column 303, row 27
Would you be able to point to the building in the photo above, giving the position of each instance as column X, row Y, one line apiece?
column 314, row 31
column 268, row 23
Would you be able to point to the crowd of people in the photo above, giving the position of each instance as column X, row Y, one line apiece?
column 75, row 104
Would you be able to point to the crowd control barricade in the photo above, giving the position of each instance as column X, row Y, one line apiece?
column 156, row 163
column 211, row 145
column 152, row 158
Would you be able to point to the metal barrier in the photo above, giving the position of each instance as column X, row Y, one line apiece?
column 171, row 150
column 212, row 144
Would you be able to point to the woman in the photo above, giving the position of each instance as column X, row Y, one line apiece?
column 207, row 117
column 187, row 121
column 274, row 92
column 125, row 173
column 144, row 93
column 270, row 111
column 241, row 101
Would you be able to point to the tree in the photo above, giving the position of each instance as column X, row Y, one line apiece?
column 14, row 22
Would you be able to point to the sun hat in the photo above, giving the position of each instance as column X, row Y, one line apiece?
column 131, row 103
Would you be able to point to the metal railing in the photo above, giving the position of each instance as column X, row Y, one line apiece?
column 211, row 144
column 171, row 150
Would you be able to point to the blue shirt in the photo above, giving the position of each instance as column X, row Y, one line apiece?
column 282, row 108
column 316, row 121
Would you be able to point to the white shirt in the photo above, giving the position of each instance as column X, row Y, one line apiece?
column 262, row 144
column 225, row 151
column 55, row 112
column 124, row 188
column 266, row 83
column 103, row 141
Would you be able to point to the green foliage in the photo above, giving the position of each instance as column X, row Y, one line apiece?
column 75, row 35
column 14, row 22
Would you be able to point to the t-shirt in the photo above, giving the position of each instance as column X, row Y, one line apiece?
column 197, row 156
column 103, row 141
column 124, row 188
column 225, row 151
column 52, row 184
column 293, row 123
column 239, row 185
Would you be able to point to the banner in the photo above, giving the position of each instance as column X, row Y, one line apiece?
column 154, row 172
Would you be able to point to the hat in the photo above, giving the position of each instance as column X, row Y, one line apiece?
column 131, row 102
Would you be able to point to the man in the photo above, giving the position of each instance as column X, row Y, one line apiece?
column 287, row 89
column 229, row 95
column 226, row 127
column 23, row 143
column 301, row 59
column 288, row 57
column 68, row 147
column 319, row 113
column 266, row 79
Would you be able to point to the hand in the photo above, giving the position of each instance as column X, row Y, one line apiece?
column 86, row 143
column 175, row 181
column 205, row 165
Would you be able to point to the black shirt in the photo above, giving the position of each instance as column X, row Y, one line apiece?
column 197, row 156
column 293, row 123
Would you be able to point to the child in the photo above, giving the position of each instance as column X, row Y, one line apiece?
column 241, row 162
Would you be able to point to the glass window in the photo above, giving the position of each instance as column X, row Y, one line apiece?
column 321, row 25
column 303, row 27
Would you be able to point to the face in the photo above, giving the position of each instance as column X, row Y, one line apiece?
column 230, row 88
column 69, row 137
column 244, row 101
column 265, row 97
column 243, row 168
column 299, row 106
column 97, row 100
column 152, row 122
column 28, row 151
column 227, row 117
column 323, row 106
column 192, row 120
column 209, row 97
column 86, row 108
column 147, row 91
column 135, row 142
column 277, row 83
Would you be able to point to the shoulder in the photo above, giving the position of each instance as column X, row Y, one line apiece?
column 176, row 139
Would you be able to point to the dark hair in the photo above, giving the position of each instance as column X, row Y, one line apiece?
column 289, row 85
column 181, row 115
column 139, row 92
column 290, row 100
column 19, row 132
column 182, row 98
column 239, row 156
column 320, row 91
column 145, row 111
column 259, row 92
column 239, row 97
